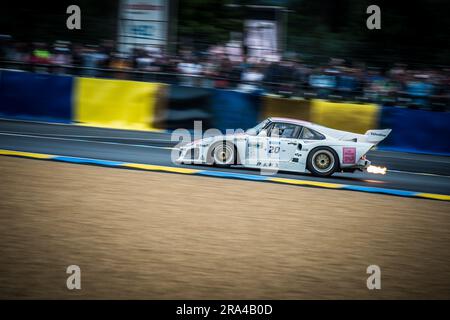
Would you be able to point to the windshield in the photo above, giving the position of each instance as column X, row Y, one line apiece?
column 260, row 126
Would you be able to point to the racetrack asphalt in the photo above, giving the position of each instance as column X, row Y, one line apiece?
column 406, row 171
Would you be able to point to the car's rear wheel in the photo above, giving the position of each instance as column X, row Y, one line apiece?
column 322, row 161
column 223, row 154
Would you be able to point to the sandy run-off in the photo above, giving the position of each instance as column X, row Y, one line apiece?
column 149, row 235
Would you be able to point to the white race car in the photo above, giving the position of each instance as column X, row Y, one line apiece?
column 286, row 145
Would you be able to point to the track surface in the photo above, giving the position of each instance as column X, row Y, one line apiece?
column 406, row 171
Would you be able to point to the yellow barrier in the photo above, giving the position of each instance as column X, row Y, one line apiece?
column 356, row 118
column 285, row 107
column 115, row 103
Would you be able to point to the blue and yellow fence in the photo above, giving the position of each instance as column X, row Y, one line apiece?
column 115, row 104
column 34, row 96
column 154, row 106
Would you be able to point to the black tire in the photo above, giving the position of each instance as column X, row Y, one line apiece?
column 322, row 161
column 222, row 154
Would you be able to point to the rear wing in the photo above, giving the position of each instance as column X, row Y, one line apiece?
column 371, row 136
column 376, row 136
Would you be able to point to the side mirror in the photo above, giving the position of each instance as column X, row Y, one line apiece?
column 262, row 133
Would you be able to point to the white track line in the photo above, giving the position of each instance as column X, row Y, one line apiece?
column 74, row 125
column 420, row 173
column 81, row 140
column 405, row 157
column 50, row 135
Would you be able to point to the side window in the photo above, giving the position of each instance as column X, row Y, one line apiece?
column 310, row 134
column 284, row 130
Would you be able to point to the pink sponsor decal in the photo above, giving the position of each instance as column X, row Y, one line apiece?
column 349, row 155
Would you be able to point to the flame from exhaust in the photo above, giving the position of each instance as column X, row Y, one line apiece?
column 376, row 170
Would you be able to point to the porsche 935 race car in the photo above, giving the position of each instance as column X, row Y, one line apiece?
column 286, row 145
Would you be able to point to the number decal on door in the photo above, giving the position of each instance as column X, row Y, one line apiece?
column 273, row 149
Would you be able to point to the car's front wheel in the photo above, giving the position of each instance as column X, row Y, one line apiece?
column 223, row 154
column 322, row 162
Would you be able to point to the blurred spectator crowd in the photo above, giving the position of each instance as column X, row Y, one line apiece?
column 222, row 67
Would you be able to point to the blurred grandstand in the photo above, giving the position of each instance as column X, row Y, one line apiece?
column 206, row 56
column 337, row 80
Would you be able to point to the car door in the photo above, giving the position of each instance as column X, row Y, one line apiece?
column 282, row 145
column 257, row 148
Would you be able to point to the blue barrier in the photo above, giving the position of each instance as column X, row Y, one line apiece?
column 235, row 110
column 416, row 130
column 31, row 96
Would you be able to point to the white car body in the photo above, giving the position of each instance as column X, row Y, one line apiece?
column 287, row 145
